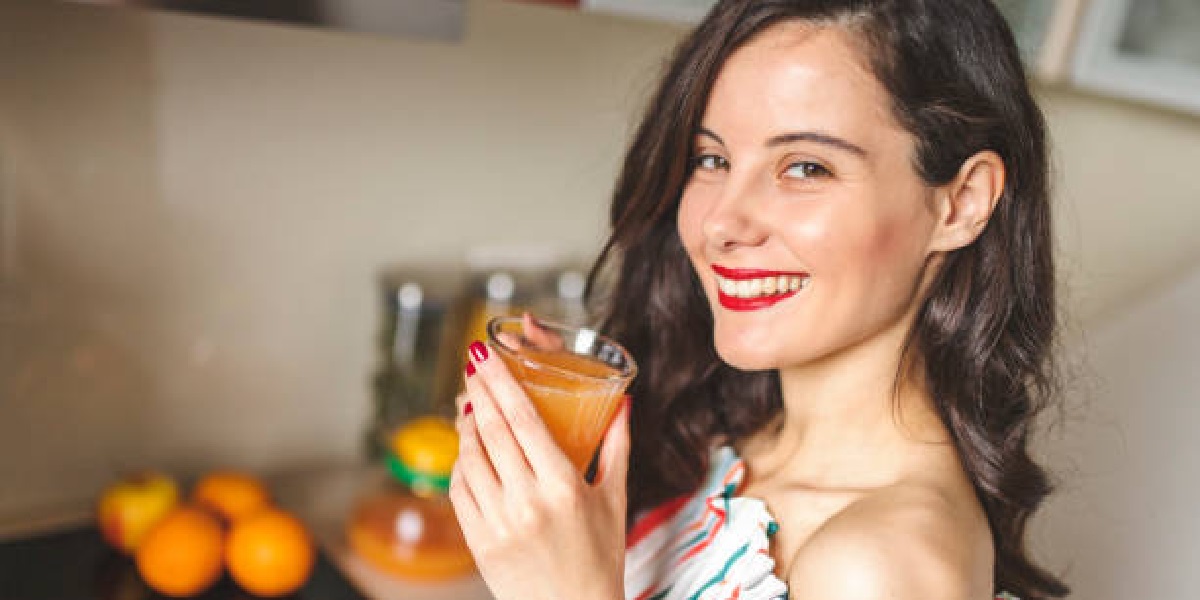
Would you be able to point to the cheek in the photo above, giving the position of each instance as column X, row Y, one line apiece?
column 876, row 248
column 822, row 236
column 890, row 253
column 886, row 242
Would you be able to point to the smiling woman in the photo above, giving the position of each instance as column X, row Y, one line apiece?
column 831, row 240
column 832, row 259
column 859, row 225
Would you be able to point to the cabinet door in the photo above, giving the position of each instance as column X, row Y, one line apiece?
column 1045, row 31
column 675, row 11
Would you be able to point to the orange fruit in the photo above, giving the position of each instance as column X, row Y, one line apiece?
column 181, row 555
column 270, row 553
column 231, row 495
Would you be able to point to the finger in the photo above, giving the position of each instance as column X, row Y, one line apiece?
column 496, row 434
column 462, row 499
column 613, row 464
column 543, row 455
column 463, row 408
column 460, row 402
column 542, row 338
column 474, row 468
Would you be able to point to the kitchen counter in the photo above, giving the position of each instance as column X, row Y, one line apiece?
column 323, row 498
column 66, row 559
column 76, row 564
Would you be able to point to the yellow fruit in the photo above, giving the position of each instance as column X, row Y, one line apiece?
column 129, row 508
column 231, row 495
column 181, row 555
column 270, row 553
column 427, row 444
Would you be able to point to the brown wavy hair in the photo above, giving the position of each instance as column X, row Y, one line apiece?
column 985, row 331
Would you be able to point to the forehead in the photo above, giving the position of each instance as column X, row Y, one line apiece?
column 797, row 77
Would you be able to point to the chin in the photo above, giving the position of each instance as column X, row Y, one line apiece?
column 747, row 358
column 753, row 348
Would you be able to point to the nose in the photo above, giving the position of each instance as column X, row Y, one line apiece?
column 735, row 220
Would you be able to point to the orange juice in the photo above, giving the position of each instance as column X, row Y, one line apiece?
column 576, row 393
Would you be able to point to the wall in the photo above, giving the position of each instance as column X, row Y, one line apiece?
column 1124, row 524
column 1126, row 200
column 204, row 207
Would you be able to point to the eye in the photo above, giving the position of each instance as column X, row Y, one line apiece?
column 806, row 170
column 709, row 162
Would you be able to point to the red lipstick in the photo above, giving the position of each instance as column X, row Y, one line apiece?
column 748, row 304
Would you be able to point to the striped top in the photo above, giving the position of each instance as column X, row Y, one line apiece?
column 710, row 545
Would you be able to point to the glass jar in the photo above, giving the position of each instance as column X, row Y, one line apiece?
column 408, row 527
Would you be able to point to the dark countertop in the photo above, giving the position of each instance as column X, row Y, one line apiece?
column 77, row 565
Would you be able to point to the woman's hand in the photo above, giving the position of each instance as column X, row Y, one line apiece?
column 537, row 529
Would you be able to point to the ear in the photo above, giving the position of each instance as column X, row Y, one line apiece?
column 964, row 205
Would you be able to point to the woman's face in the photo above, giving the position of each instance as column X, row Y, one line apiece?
column 803, row 216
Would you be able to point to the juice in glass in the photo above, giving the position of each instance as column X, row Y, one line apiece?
column 574, row 377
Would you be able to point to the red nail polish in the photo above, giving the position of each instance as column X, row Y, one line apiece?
column 478, row 351
column 468, row 409
column 470, row 368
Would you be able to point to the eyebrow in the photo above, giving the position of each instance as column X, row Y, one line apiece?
column 801, row 136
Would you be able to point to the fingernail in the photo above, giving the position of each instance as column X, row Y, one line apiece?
column 467, row 409
column 478, row 351
column 470, row 368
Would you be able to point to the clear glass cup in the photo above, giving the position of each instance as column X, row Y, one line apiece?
column 574, row 376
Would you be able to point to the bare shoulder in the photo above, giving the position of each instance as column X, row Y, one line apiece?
column 904, row 542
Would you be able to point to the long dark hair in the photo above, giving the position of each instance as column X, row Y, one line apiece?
column 985, row 330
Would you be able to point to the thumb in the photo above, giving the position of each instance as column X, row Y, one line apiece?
column 613, row 465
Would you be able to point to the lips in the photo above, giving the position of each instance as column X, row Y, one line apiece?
column 755, row 289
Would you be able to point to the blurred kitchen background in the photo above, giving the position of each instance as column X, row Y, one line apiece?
column 195, row 213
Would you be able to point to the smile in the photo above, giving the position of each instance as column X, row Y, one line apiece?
column 754, row 289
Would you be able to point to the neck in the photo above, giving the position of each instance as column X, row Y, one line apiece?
column 849, row 422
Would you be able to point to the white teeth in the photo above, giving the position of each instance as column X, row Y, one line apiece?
column 766, row 286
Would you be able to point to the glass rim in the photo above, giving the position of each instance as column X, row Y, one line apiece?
column 495, row 323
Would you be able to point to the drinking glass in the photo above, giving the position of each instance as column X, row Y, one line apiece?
column 574, row 376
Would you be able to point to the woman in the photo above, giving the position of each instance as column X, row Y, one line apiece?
column 832, row 260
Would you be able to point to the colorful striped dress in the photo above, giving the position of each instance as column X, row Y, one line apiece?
column 710, row 545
